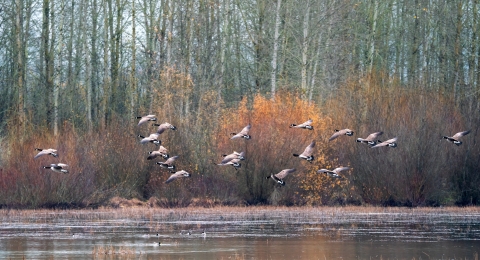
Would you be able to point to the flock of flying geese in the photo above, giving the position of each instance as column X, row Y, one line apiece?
column 234, row 158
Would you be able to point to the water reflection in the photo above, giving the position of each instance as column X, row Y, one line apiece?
column 266, row 238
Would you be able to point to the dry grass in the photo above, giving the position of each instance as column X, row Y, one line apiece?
column 347, row 214
column 100, row 251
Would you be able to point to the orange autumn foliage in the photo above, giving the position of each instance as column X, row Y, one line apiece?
column 272, row 145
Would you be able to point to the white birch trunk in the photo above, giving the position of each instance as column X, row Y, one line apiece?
column 372, row 42
column 305, row 51
column 275, row 50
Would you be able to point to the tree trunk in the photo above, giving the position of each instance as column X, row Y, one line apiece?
column 133, row 82
column 171, row 13
column 20, row 73
column 275, row 50
column 371, row 52
column 304, row 86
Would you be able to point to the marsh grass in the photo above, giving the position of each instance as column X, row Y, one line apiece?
column 293, row 215
column 100, row 251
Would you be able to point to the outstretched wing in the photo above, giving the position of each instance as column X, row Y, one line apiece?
column 246, row 129
column 174, row 177
column 282, row 174
column 339, row 169
column 309, row 150
column 460, row 134
column 372, row 136
column 171, row 160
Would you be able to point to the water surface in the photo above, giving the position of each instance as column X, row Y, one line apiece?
column 269, row 234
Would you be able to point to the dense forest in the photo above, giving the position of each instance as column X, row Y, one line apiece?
column 74, row 75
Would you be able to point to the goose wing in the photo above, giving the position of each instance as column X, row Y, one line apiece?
column 161, row 128
column 337, row 134
column 162, row 150
column 145, row 119
column 304, row 124
column 460, row 134
column 171, row 160
column 372, row 136
column 246, row 129
column 385, row 143
column 282, row 174
column 42, row 152
column 309, row 149
column 234, row 155
column 339, row 169
column 179, row 174
column 228, row 158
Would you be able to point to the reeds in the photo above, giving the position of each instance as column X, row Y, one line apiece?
column 348, row 214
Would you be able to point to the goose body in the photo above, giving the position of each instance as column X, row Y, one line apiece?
column 162, row 151
column 390, row 143
column 333, row 173
column 243, row 133
column 338, row 133
column 234, row 155
column 370, row 140
column 152, row 138
column 49, row 151
column 179, row 174
column 59, row 167
column 162, row 127
column 307, row 153
column 233, row 162
column 278, row 178
column 305, row 125
column 169, row 163
column 455, row 138
column 144, row 119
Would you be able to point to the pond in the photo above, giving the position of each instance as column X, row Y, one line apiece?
column 241, row 233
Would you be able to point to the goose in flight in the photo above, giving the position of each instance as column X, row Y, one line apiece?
column 234, row 155
column 179, row 174
column 333, row 173
column 278, row 178
column 307, row 153
column 59, row 167
column 233, row 162
column 338, row 133
column 49, row 151
column 162, row 127
column 455, row 138
column 390, row 143
column 162, row 151
column 152, row 138
column 370, row 140
column 169, row 163
column 305, row 125
column 243, row 133
column 144, row 119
